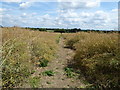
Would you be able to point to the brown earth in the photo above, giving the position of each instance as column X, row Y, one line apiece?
column 59, row 79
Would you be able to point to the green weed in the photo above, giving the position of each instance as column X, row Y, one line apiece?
column 34, row 82
column 43, row 63
column 49, row 73
column 69, row 72
column 48, row 82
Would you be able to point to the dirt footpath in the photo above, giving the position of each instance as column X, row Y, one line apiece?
column 59, row 79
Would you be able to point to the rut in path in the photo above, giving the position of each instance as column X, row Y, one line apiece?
column 59, row 80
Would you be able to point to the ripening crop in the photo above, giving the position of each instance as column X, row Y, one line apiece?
column 22, row 51
column 97, row 55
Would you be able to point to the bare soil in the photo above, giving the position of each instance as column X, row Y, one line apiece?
column 59, row 79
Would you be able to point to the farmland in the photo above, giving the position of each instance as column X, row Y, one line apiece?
column 22, row 51
column 40, row 59
column 97, row 56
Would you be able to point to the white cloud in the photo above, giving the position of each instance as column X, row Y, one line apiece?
column 34, row 13
column 25, row 5
column 70, row 19
column 86, row 14
column 93, row 4
column 70, row 15
column 76, row 4
column 24, row 14
column 114, row 10
column 2, row 9
column 58, row 0
column 92, row 20
column 11, row 0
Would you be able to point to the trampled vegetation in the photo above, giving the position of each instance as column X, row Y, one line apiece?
column 97, row 56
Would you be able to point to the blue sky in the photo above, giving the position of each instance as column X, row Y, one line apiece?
column 85, row 15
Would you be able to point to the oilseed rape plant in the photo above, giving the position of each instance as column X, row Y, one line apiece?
column 22, row 51
column 97, row 56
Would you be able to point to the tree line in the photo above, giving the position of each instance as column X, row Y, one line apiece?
column 74, row 30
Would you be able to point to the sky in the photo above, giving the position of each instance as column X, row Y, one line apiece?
column 60, row 14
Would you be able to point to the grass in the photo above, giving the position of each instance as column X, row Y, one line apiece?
column 97, row 56
column 22, row 51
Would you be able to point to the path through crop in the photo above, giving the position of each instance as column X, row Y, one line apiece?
column 59, row 79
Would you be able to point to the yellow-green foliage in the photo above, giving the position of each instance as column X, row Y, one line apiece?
column 98, row 57
column 22, row 50
column 95, row 43
column 72, row 38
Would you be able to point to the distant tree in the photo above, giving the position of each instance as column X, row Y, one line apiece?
column 1, row 26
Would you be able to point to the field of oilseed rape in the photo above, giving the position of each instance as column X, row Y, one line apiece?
column 32, row 58
column 97, row 55
column 22, row 51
